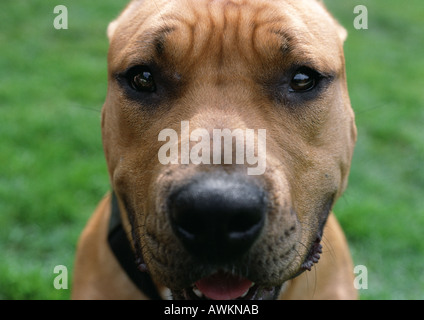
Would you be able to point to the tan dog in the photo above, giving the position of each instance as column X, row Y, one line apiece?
column 211, row 230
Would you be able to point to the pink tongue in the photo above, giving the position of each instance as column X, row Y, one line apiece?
column 221, row 286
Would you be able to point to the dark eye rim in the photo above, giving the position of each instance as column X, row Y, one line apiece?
column 278, row 86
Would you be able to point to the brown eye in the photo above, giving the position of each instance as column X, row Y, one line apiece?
column 304, row 80
column 142, row 80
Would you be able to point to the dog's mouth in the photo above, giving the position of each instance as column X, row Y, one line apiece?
column 225, row 286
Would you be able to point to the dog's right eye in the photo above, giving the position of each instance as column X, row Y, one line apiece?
column 141, row 79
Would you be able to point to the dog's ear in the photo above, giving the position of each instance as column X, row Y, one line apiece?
column 342, row 32
column 111, row 29
column 124, row 14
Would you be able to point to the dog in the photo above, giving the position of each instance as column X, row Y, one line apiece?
column 198, row 230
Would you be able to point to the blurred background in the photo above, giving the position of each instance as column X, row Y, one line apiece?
column 53, row 172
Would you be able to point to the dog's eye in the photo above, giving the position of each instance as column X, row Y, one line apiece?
column 304, row 79
column 141, row 79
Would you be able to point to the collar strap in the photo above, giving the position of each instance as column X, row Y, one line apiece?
column 121, row 248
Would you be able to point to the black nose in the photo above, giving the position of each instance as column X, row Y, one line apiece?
column 218, row 218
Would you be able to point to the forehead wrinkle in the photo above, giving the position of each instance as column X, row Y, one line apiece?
column 295, row 45
column 151, row 43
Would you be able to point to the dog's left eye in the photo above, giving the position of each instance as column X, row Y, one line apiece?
column 303, row 80
column 141, row 79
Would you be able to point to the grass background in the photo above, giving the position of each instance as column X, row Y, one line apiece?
column 53, row 173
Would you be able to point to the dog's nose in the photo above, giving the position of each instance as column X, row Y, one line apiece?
column 218, row 218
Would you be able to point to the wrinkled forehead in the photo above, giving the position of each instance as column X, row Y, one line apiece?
column 194, row 29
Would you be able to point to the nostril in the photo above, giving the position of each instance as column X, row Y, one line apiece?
column 184, row 219
column 185, row 215
column 244, row 222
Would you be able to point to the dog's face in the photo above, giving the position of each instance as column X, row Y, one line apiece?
column 244, row 65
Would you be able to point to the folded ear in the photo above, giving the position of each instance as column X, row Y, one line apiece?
column 342, row 32
column 130, row 8
column 111, row 29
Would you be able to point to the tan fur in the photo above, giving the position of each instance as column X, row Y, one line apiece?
column 219, row 53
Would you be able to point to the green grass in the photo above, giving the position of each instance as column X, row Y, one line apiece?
column 383, row 210
column 53, row 173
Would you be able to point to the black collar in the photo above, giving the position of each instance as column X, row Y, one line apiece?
column 123, row 252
